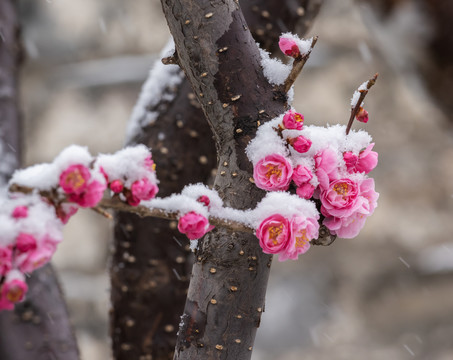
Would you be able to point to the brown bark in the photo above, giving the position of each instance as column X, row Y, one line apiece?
column 185, row 155
column 39, row 327
column 229, row 279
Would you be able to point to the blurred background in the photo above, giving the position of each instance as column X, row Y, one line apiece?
column 387, row 294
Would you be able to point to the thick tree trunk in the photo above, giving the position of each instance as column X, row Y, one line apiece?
column 39, row 327
column 229, row 279
column 146, row 316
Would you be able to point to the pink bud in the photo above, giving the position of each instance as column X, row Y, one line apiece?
column 289, row 47
column 25, row 242
column 362, row 115
column 143, row 189
column 20, row 212
column 305, row 191
column 204, row 200
column 116, row 186
column 293, row 120
column 194, row 225
column 301, row 144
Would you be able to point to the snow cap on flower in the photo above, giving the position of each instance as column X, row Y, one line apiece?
column 203, row 194
column 292, row 45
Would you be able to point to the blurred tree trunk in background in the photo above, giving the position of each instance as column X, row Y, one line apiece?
column 152, row 264
column 39, row 327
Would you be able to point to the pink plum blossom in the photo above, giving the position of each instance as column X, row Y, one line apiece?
column 32, row 260
column 74, row 179
column 13, row 290
column 301, row 144
column 273, row 173
column 143, row 189
column 274, row 234
column 349, row 226
column 25, row 242
column 149, row 163
column 326, row 166
column 289, row 47
column 5, row 260
column 90, row 196
column 20, row 212
column 116, row 186
column 302, row 231
column 305, row 191
column 194, row 225
column 341, row 198
column 293, row 120
column 204, row 200
column 301, row 175
column 365, row 162
column 362, row 115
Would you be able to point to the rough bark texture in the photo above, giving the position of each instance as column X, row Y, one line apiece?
column 229, row 279
column 185, row 154
column 39, row 327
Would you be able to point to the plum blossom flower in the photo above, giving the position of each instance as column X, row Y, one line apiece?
column 149, row 163
column 305, row 191
column 301, row 175
column 74, row 179
column 25, row 242
column 204, row 200
column 273, row 173
column 13, row 290
column 341, row 198
column 20, row 212
column 302, row 231
column 326, row 166
column 364, row 162
column 143, row 189
column 301, row 144
column 349, row 226
column 32, row 260
column 90, row 196
column 116, row 186
column 5, row 260
column 289, row 47
column 274, row 234
column 362, row 115
column 194, row 225
column 293, row 120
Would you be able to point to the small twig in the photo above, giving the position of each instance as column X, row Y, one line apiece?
column 298, row 65
column 102, row 212
column 356, row 108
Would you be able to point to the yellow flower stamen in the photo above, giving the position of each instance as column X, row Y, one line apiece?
column 273, row 170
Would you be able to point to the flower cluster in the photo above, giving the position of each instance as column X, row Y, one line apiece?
column 287, row 224
column 320, row 164
column 130, row 173
column 30, row 237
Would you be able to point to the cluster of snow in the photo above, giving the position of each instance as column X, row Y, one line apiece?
column 274, row 70
column 162, row 78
